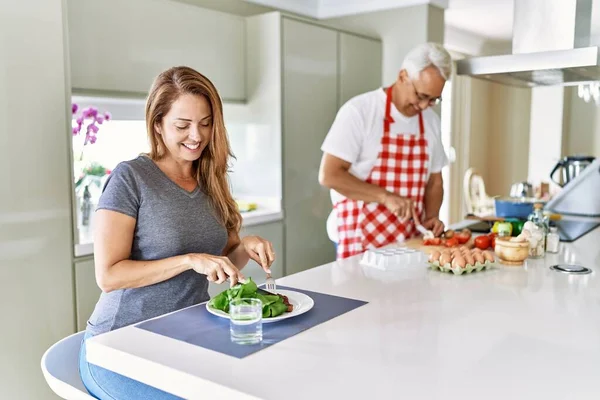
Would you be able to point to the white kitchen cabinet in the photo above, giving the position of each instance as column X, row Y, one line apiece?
column 122, row 45
column 359, row 65
column 310, row 88
column 36, row 274
column 319, row 66
column 87, row 291
column 272, row 232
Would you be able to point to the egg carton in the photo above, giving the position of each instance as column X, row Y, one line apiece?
column 435, row 265
column 391, row 258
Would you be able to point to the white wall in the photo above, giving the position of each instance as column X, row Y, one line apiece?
column 255, row 127
column 36, row 280
column 508, row 146
column 546, row 132
column 582, row 126
column 496, row 121
column 399, row 29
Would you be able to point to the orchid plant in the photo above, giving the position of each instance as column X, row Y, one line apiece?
column 95, row 118
column 87, row 123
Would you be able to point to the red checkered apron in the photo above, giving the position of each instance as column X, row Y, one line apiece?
column 401, row 168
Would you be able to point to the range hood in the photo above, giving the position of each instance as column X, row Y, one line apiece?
column 552, row 45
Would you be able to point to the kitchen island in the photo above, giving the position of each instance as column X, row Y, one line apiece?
column 506, row 333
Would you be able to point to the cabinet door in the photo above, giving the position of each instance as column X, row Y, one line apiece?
column 87, row 291
column 272, row 232
column 360, row 66
column 121, row 46
column 309, row 107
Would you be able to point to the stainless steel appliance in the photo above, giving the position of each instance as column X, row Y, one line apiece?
column 581, row 197
column 569, row 168
column 521, row 190
column 553, row 44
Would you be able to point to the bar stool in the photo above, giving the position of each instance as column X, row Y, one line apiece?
column 60, row 365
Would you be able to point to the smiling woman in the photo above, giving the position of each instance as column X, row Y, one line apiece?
column 166, row 222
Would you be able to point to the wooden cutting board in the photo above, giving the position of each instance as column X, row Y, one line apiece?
column 417, row 244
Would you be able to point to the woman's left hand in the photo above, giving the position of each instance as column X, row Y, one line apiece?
column 260, row 250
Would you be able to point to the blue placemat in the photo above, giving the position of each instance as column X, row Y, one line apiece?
column 195, row 325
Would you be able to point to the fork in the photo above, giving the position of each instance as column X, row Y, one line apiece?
column 270, row 284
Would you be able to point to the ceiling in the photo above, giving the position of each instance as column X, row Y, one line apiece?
column 490, row 19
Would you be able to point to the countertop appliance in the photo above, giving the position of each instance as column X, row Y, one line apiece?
column 569, row 168
column 521, row 190
column 580, row 198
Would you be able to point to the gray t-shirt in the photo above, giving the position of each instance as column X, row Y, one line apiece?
column 170, row 221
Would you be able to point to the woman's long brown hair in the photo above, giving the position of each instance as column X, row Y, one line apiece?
column 213, row 165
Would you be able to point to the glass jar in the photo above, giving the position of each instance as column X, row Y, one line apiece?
column 552, row 240
column 539, row 231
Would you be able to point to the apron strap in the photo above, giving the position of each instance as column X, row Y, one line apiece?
column 388, row 120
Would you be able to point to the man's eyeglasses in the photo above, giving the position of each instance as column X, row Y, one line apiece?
column 423, row 97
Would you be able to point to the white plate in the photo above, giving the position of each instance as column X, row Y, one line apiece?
column 301, row 302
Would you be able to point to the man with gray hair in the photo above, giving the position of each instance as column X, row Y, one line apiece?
column 383, row 157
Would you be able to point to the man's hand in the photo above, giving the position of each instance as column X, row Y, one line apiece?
column 435, row 225
column 399, row 206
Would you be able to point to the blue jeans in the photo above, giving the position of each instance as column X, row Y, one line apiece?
column 107, row 385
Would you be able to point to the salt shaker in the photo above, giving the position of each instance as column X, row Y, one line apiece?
column 552, row 240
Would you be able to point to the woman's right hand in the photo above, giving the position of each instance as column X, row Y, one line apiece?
column 216, row 268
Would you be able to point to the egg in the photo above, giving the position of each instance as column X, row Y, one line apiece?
column 463, row 248
column 470, row 259
column 445, row 259
column 479, row 258
column 459, row 262
column 488, row 256
column 434, row 256
column 476, row 250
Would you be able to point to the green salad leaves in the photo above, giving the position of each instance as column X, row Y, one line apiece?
column 273, row 305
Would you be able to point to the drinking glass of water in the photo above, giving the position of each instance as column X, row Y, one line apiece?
column 245, row 323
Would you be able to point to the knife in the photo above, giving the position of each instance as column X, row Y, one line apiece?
column 265, row 292
column 426, row 233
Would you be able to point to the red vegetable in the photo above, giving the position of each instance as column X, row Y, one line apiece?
column 452, row 242
column 492, row 237
column 463, row 237
column 482, row 242
column 432, row 242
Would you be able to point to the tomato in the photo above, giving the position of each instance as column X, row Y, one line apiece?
column 463, row 237
column 432, row 242
column 492, row 237
column 482, row 242
column 452, row 242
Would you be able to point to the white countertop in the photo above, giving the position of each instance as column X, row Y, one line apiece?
column 507, row 333
column 267, row 212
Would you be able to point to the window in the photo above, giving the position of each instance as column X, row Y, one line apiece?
column 121, row 137
column 256, row 145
